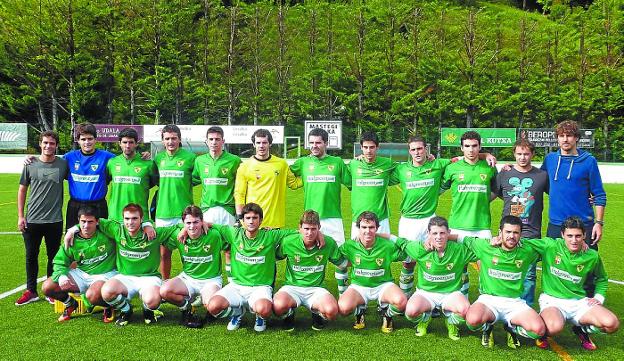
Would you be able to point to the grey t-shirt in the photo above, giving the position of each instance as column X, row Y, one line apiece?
column 523, row 195
column 46, row 190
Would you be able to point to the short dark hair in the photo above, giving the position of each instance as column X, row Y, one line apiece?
column 89, row 211
column 50, row 134
column 310, row 217
column 129, row 133
column 215, row 129
column 85, row 128
column 569, row 127
column 573, row 222
column 437, row 221
column 471, row 134
column 368, row 216
column 194, row 211
column 252, row 207
column 319, row 132
column 171, row 128
column 524, row 143
column 512, row 220
column 133, row 207
column 369, row 137
column 262, row 133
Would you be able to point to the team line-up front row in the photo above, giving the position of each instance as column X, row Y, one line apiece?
column 118, row 260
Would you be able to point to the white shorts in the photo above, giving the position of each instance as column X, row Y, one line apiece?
column 84, row 280
column 199, row 287
column 484, row 233
column 304, row 296
column 137, row 284
column 437, row 299
column 504, row 308
column 218, row 215
column 371, row 293
column 241, row 296
column 384, row 227
column 414, row 229
column 571, row 310
column 334, row 228
column 166, row 222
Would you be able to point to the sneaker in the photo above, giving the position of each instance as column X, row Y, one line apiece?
column 487, row 338
column 123, row 318
column 50, row 300
column 512, row 339
column 190, row 320
column 453, row 331
column 542, row 343
column 235, row 322
column 27, row 297
column 289, row 322
column 359, row 321
column 318, row 322
column 387, row 326
column 260, row 324
column 108, row 315
column 66, row 315
column 150, row 316
column 421, row 329
column 586, row 342
column 85, row 302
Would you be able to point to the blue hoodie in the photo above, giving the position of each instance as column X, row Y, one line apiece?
column 573, row 178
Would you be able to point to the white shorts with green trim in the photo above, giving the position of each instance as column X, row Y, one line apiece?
column 138, row 284
column 199, row 287
column 571, row 310
column 504, row 308
column 245, row 296
column 304, row 296
column 437, row 299
column 84, row 280
column 371, row 293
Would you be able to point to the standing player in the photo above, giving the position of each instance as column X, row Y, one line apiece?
column 305, row 274
column 262, row 179
column 94, row 254
column 175, row 189
column 201, row 267
column 130, row 176
column 522, row 189
column 44, row 218
column 501, row 277
column 566, row 266
column 371, row 276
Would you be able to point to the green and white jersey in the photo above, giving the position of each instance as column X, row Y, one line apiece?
column 322, row 179
column 502, row 273
column 175, row 189
column 253, row 259
column 470, row 193
column 369, row 186
column 420, row 187
column 217, row 178
column 306, row 267
column 95, row 255
column 438, row 274
column 137, row 256
column 201, row 257
column 564, row 273
column 371, row 267
column 130, row 182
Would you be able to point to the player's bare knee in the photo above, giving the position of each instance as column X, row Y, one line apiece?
column 263, row 308
column 217, row 304
column 48, row 287
column 553, row 327
column 610, row 324
column 329, row 310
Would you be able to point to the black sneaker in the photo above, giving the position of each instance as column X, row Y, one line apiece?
column 150, row 316
column 359, row 321
column 318, row 322
column 123, row 318
column 387, row 325
column 190, row 320
column 289, row 323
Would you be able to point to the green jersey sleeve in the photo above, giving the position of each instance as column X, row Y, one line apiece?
column 61, row 264
column 109, row 227
column 602, row 280
column 540, row 244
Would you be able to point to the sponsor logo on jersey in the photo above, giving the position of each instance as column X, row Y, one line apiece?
column 94, row 167
column 564, row 275
column 319, row 258
column 250, row 260
column 308, row 269
column 557, row 259
column 428, row 264
column 171, row 174
column 85, row 178
column 495, row 261
column 297, row 258
column 502, row 275
column 102, row 248
column 449, row 266
column 579, row 267
column 369, row 182
column 134, row 255
column 472, row 188
column 90, row 261
column 180, row 163
column 225, row 170
column 419, row 184
column 379, row 261
column 197, row 259
column 368, row 273
column 126, row 180
column 215, row 181
column 519, row 263
column 321, row 179
column 137, row 169
column 117, row 167
column 439, row 278
column 331, row 167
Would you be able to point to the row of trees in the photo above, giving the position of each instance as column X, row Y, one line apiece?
column 400, row 67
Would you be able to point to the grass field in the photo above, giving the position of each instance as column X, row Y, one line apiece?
column 32, row 332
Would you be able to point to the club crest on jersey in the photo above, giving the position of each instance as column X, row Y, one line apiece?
column 137, row 169
column 117, row 167
column 495, row 261
column 102, row 248
column 297, row 258
column 186, row 248
column 257, row 175
column 358, row 260
column 206, row 169
column 461, row 177
column 94, row 167
column 519, row 263
column 240, row 246
column 378, row 171
column 225, row 170
column 180, row 163
column 557, row 259
column 449, row 266
column 276, row 172
column 580, row 267
column 81, row 256
column 319, row 258
column 143, row 244
column 311, row 167
column 207, row 248
column 379, row 261
column 123, row 242
column 483, row 176
column 428, row 171
column 428, row 264
column 162, row 163
column 76, row 165
column 331, row 168
column 359, row 171
column 408, row 173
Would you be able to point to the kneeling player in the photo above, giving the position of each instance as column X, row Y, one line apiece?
column 565, row 266
column 201, row 267
column 501, row 276
column 371, row 277
column 305, row 273
column 94, row 254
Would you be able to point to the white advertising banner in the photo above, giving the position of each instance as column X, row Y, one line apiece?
column 233, row 134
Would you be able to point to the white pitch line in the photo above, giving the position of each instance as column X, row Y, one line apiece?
column 20, row 288
column 610, row 280
column 9, row 233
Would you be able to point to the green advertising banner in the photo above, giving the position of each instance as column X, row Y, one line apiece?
column 13, row 135
column 490, row 137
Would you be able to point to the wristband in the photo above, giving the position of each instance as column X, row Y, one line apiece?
column 599, row 222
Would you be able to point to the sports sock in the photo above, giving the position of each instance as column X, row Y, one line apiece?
column 392, row 311
column 590, row 329
column 149, row 309
column 341, row 280
column 480, row 327
column 185, row 305
column 68, row 301
column 85, row 301
column 423, row 317
column 120, row 303
column 288, row 313
column 359, row 309
column 525, row 333
column 455, row 319
column 406, row 279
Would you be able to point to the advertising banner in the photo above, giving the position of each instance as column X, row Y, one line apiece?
column 13, row 135
column 545, row 137
column 333, row 128
column 233, row 134
column 109, row 133
column 490, row 137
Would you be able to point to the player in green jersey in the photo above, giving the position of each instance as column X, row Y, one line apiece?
column 566, row 265
column 501, row 284
column 175, row 189
column 94, row 254
column 305, row 274
column 371, row 277
column 201, row 267
column 130, row 176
